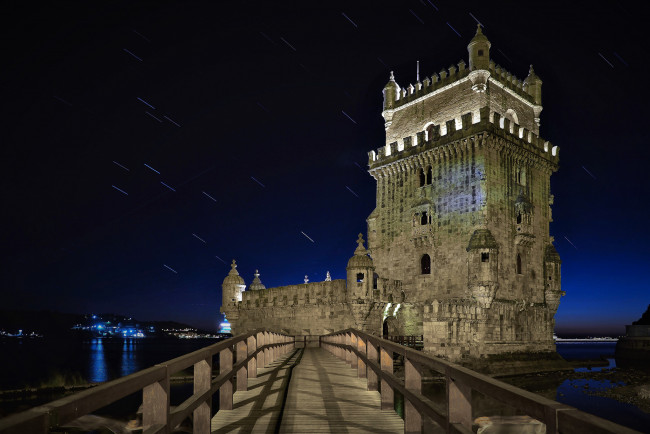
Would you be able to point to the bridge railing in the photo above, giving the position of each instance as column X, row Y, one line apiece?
column 373, row 359
column 239, row 358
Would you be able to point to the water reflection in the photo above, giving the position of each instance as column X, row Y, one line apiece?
column 129, row 359
column 98, row 370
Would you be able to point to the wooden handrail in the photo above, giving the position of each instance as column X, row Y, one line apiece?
column 364, row 352
column 154, row 382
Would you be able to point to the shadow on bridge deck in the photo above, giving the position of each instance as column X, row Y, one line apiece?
column 324, row 395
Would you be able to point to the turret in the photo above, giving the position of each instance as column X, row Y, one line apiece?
column 256, row 284
column 360, row 273
column 479, row 51
column 391, row 90
column 533, row 86
column 483, row 267
column 232, row 287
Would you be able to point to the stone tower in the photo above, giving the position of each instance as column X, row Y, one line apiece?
column 463, row 209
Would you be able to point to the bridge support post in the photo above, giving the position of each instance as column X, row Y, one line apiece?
column 202, row 383
column 353, row 355
column 459, row 403
column 413, row 383
column 373, row 357
column 386, row 358
column 242, row 376
column 155, row 400
column 252, row 363
column 225, row 391
column 361, row 367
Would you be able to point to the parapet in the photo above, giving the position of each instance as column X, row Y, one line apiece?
column 455, row 129
column 511, row 82
column 428, row 85
column 452, row 74
column 326, row 292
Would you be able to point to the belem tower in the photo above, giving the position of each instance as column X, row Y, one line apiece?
column 459, row 249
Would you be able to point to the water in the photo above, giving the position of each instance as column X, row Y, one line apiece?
column 577, row 392
column 26, row 363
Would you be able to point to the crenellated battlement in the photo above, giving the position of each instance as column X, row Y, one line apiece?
column 510, row 81
column 429, row 85
column 328, row 291
column 456, row 73
column 454, row 129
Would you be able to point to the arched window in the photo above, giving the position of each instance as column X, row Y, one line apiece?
column 425, row 264
column 424, row 219
column 518, row 263
column 518, row 218
column 423, row 178
column 375, row 278
column 429, row 175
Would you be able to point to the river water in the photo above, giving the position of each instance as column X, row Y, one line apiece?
column 55, row 362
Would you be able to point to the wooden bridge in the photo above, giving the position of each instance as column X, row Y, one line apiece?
column 343, row 383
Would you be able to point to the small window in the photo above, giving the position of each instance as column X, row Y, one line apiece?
column 518, row 263
column 485, row 257
column 424, row 219
column 518, row 218
column 422, row 178
column 480, row 52
column 429, row 175
column 425, row 264
column 375, row 278
column 359, row 277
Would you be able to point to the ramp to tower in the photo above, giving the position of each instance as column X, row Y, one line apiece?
column 321, row 395
column 325, row 396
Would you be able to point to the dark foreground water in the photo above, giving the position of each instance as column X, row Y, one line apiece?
column 27, row 363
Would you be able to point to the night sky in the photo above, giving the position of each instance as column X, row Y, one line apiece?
column 232, row 128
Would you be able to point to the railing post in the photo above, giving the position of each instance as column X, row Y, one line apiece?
column 413, row 383
column 348, row 352
column 267, row 351
column 155, row 400
column 225, row 391
column 386, row 391
column 361, row 367
column 353, row 355
column 252, row 363
column 372, row 375
column 260, row 354
column 459, row 402
column 242, row 376
column 202, row 383
column 272, row 349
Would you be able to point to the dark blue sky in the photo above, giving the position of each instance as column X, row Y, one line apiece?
column 258, row 90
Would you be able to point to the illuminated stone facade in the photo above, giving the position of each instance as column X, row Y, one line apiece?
column 459, row 239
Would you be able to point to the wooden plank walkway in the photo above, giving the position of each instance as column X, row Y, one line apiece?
column 257, row 410
column 323, row 395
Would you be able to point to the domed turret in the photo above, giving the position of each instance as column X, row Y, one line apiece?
column 256, row 284
column 391, row 91
column 232, row 286
column 360, row 271
column 479, row 51
column 533, row 85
